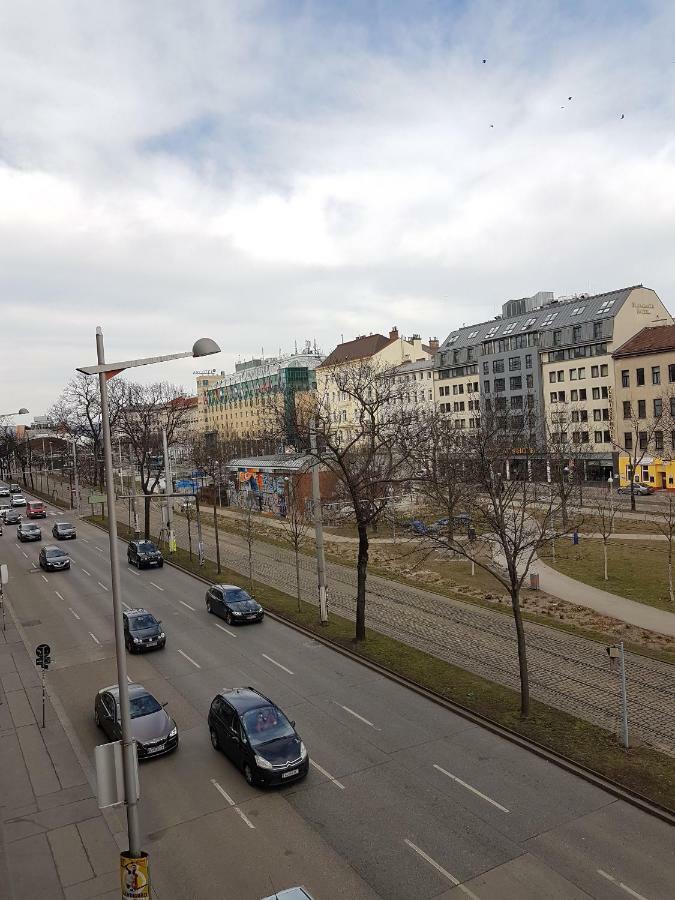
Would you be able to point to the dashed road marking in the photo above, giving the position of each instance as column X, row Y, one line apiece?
column 226, row 630
column 44, row 578
column 59, row 596
column 125, row 605
column 187, row 604
column 84, row 540
column 157, row 586
column 86, row 573
column 231, row 802
column 620, row 884
column 101, row 585
column 189, row 659
column 357, row 716
column 439, row 868
column 25, row 554
column 327, row 774
column 470, row 788
column 269, row 658
column 93, row 637
column 72, row 611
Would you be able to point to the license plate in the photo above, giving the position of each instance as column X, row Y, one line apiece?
column 156, row 749
column 254, row 616
column 292, row 772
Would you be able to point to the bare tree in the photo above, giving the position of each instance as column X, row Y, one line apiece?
column 606, row 513
column 641, row 432
column 567, row 443
column 145, row 411
column 508, row 528
column 296, row 524
column 665, row 522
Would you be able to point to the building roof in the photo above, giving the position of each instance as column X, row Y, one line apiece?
column 288, row 462
column 557, row 314
column 416, row 366
column 652, row 339
column 360, row 348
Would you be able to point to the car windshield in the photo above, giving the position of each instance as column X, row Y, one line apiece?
column 266, row 724
column 52, row 554
column 144, row 621
column 143, row 705
column 236, row 596
column 147, row 547
column 30, row 528
column 63, row 525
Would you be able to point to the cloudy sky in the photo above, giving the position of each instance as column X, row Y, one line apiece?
column 266, row 172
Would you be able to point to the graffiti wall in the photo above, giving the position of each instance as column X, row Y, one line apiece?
column 265, row 491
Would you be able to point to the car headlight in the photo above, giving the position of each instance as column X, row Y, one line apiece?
column 235, row 613
column 262, row 763
column 173, row 732
column 161, row 635
column 137, row 640
column 303, row 750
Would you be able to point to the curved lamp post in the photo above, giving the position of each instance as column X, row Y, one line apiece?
column 105, row 371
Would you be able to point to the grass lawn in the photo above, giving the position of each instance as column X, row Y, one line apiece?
column 648, row 772
column 637, row 570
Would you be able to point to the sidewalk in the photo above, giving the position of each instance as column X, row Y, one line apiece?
column 572, row 591
column 54, row 841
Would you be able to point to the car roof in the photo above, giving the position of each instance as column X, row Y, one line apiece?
column 135, row 690
column 138, row 611
column 245, row 698
column 229, row 587
column 69, row 524
column 29, row 525
column 54, row 547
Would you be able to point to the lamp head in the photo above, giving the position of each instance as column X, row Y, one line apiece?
column 23, row 411
column 205, row 347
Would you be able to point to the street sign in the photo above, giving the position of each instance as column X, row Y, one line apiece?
column 42, row 657
column 110, row 775
column 186, row 484
column 96, row 498
column 4, row 574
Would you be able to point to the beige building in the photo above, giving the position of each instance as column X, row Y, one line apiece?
column 644, row 374
column 383, row 353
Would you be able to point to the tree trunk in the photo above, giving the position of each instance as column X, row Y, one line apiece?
column 361, row 572
column 297, row 575
column 146, row 515
column 604, row 553
column 563, row 506
column 522, row 655
column 670, row 570
column 632, row 491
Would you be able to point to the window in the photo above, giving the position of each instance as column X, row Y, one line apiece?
column 607, row 437
column 500, row 403
column 486, row 386
column 577, row 311
column 604, row 370
column 552, row 377
column 574, row 395
column 554, row 396
column 628, row 440
column 561, row 396
column 516, row 383
column 451, row 340
column 639, row 377
column 549, row 318
column 597, row 415
column 509, row 328
column 656, row 374
column 576, row 333
column 500, row 384
column 597, row 437
column 604, row 392
column 498, row 365
column 529, row 380
column 671, row 373
column 605, row 414
column 642, row 409
column 530, row 401
column 517, row 402
column 583, row 415
column 584, row 437
column 643, row 440
column 625, row 378
column 582, row 393
column 658, row 440
column 514, row 364
column 528, row 362
column 658, row 407
column 472, row 334
column 672, row 439
column 493, row 330
column 627, row 411
column 573, row 374
column 595, row 371
column 596, row 393
column 606, row 304
column 557, row 338
column 528, row 324
column 672, row 406
column 582, row 373
column 597, row 329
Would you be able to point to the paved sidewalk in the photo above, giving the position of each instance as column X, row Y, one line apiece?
column 54, row 841
column 573, row 591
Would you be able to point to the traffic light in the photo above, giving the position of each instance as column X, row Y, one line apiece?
column 42, row 657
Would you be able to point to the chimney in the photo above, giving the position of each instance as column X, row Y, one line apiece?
column 433, row 344
column 393, row 334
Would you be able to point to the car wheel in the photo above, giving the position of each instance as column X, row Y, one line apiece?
column 68, row 566
column 228, row 617
column 215, row 743
column 161, row 564
column 248, row 774
column 208, row 606
column 97, row 718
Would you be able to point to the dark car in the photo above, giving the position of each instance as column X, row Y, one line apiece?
column 28, row 532
column 11, row 517
column 14, row 489
column 233, row 604
column 639, row 490
column 64, row 531
column 142, row 631
column 416, row 526
column 155, row 731
column 52, row 558
column 257, row 737
column 144, row 554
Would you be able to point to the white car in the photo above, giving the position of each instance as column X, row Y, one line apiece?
column 18, row 500
column 4, row 492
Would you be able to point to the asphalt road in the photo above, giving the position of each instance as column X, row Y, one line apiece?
column 404, row 800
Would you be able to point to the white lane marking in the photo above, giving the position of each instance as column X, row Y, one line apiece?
column 25, row 554
column 187, row 604
column 357, row 716
column 222, row 628
column 223, row 792
column 327, row 774
column 439, row 868
column 100, row 584
column 59, row 596
column 86, row 573
column 93, row 636
column 44, row 578
column 157, row 586
column 100, row 549
column 189, row 659
column 129, row 679
column 125, row 605
column 72, row 611
column 243, row 815
column 276, row 663
column 470, row 788
column 84, row 540
column 624, row 887
column 18, row 547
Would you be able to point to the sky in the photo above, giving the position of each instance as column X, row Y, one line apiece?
column 265, row 173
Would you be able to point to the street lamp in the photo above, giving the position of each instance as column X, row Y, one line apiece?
column 105, row 371
column 22, row 412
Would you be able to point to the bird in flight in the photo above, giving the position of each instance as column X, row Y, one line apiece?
column 622, row 116
column 569, row 98
column 484, row 61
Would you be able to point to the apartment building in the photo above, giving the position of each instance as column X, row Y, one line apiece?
column 548, row 369
column 384, row 354
column 644, row 409
column 240, row 405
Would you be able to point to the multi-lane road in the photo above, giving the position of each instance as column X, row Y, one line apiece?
column 403, row 800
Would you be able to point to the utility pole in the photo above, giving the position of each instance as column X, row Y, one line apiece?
column 77, row 480
column 168, row 489
column 318, row 527
column 624, row 697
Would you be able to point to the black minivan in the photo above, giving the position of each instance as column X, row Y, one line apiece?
column 257, row 737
